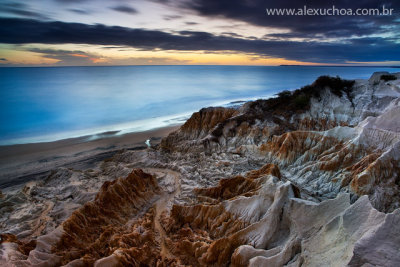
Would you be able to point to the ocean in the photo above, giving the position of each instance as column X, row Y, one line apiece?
column 51, row 103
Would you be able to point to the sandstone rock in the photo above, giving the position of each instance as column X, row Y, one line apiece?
column 271, row 183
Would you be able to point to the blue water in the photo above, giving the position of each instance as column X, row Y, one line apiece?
column 46, row 104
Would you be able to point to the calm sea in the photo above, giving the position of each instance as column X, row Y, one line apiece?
column 47, row 104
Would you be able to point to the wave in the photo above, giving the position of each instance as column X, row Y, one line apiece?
column 104, row 131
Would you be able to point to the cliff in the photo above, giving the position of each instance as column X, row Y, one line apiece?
column 308, row 178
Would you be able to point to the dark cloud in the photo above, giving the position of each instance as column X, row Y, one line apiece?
column 54, row 52
column 191, row 23
column 125, row 9
column 232, row 34
column 20, row 9
column 253, row 12
column 71, row 1
column 3, row 59
column 14, row 5
column 22, row 31
column 79, row 58
column 66, row 57
column 149, row 61
column 112, row 47
column 80, row 11
column 172, row 17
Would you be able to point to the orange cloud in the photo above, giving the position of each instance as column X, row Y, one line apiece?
column 98, row 60
column 78, row 55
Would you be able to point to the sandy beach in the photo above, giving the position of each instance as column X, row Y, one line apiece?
column 22, row 163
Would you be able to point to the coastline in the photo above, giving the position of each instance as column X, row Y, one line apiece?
column 27, row 162
column 223, row 178
column 23, row 163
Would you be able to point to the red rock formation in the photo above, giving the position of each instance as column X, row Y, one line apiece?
column 362, row 169
column 198, row 126
column 111, row 230
column 239, row 185
column 91, row 232
column 137, row 246
column 23, row 247
column 309, row 124
column 291, row 145
column 207, row 235
column 205, row 120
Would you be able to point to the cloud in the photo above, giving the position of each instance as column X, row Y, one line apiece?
column 3, row 59
column 71, row 1
column 125, row 9
column 253, row 12
column 232, row 34
column 113, row 47
column 172, row 17
column 22, row 10
column 22, row 31
column 148, row 61
column 78, row 57
column 80, row 11
column 68, row 57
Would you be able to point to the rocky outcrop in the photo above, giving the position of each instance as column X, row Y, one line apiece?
column 197, row 126
column 263, row 223
column 341, row 140
column 100, row 227
column 90, row 231
column 309, row 178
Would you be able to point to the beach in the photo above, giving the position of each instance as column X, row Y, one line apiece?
column 20, row 164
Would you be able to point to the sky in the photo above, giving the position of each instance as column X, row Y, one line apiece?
column 194, row 32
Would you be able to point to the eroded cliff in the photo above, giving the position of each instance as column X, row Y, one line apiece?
column 309, row 178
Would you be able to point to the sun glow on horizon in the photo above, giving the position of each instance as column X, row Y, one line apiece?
column 96, row 55
column 87, row 55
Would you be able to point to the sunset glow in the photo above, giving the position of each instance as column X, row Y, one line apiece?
column 96, row 32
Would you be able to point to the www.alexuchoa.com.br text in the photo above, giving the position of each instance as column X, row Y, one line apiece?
column 333, row 11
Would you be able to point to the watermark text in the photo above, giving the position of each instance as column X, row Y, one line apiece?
column 332, row 11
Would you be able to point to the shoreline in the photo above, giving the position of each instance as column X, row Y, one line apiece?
column 23, row 163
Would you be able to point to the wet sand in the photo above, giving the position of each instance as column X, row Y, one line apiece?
column 22, row 163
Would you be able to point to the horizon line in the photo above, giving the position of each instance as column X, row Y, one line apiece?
column 244, row 65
